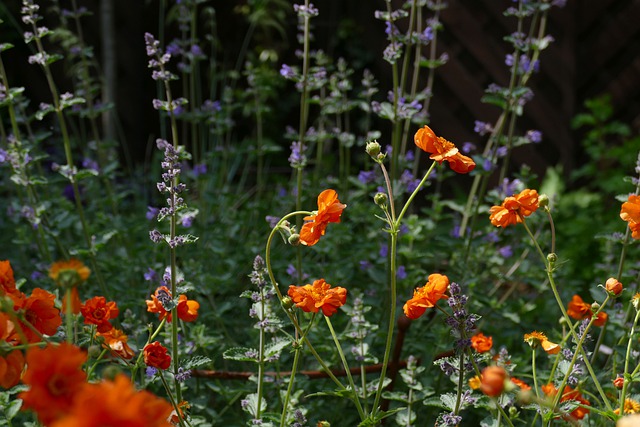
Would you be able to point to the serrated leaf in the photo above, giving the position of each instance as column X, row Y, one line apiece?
column 196, row 361
column 274, row 348
column 406, row 417
column 241, row 354
column 250, row 404
column 449, row 400
column 12, row 408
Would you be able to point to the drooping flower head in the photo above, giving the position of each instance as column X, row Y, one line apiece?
column 514, row 208
column 318, row 296
column 156, row 355
column 54, row 375
column 116, row 341
column 441, row 150
column 69, row 274
column 116, row 403
column 97, row 311
column 569, row 394
column 630, row 212
column 427, row 296
column 578, row 309
column 481, row 343
column 329, row 210
column 535, row 339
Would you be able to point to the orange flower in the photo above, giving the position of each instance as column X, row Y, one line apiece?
column 475, row 382
column 320, row 295
column 11, row 367
column 523, row 386
column 116, row 403
column 568, row 394
column 538, row 338
column 492, row 380
column 76, row 304
column 156, row 355
column 630, row 406
column 97, row 311
column 630, row 212
column 427, row 296
column 40, row 312
column 481, row 343
column 578, row 309
column 116, row 341
column 514, row 208
column 8, row 284
column 441, row 150
column 187, row 309
column 329, row 210
column 55, row 377
column 69, row 273
column 618, row 383
column 613, row 285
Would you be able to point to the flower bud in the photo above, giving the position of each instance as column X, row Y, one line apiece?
column 94, row 351
column 493, row 380
column 595, row 307
column 552, row 258
column 613, row 286
column 543, row 200
column 111, row 372
column 618, row 383
column 381, row 199
column 294, row 239
column 373, row 149
column 287, row 302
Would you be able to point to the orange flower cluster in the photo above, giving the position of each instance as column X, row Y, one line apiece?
column 319, row 296
column 329, row 210
column 97, row 311
column 521, row 384
column 61, row 397
column 156, row 355
column 568, row 394
column 578, row 309
column 535, row 339
column 427, row 296
column 630, row 212
column 514, row 208
column 481, row 343
column 441, row 150
column 187, row 309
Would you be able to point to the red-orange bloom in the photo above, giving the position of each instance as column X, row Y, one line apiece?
column 614, row 286
column 427, row 296
column 115, row 404
column 69, row 273
column 441, row 150
column 538, row 338
column 492, row 380
column 630, row 212
column 11, row 367
column 520, row 383
column 116, row 341
column 187, row 309
column 76, row 304
column 481, row 343
column 578, row 309
column 514, row 208
column 8, row 284
column 568, row 394
column 329, row 210
column 156, row 355
column 41, row 314
column 319, row 296
column 55, row 377
column 97, row 311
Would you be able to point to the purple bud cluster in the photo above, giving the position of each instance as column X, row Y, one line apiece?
column 297, row 158
column 158, row 59
column 462, row 323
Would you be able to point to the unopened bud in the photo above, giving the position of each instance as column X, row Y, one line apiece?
column 373, row 149
column 613, row 286
column 595, row 307
column 294, row 239
column 552, row 258
column 111, row 372
column 94, row 351
column 287, row 302
column 543, row 200
column 381, row 199
column 324, row 424
column 618, row 383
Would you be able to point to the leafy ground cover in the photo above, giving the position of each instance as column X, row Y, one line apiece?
column 330, row 273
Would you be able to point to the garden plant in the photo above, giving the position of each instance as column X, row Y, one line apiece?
column 353, row 267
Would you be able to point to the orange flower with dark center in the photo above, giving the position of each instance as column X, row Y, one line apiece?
column 329, row 210
column 187, row 309
column 492, row 380
column 535, row 339
column 55, row 377
column 578, row 309
column 523, row 386
column 319, row 296
column 97, row 311
column 568, row 394
column 116, row 341
column 156, row 355
column 630, row 212
column 441, row 150
column 481, row 343
column 116, row 404
column 427, row 296
column 69, row 273
column 514, row 208
column 11, row 367
column 41, row 314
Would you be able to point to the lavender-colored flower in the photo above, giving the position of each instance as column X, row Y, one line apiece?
column 152, row 212
column 297, row 159
column 156, row 236
column 505, row 251
column 534, row 136
column 183, row 374
column 384, row 251
column 287, row 72
column 272, row 220
column 482, row 128
column 401, row 272
column 151, row 371
column 367, row 177
column 199, row 169
column 151, row 275
column 365, row 265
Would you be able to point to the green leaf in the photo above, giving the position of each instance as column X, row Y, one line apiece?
column 251, row 404
column 274, row 348
column 241, row 354
column 196, row 361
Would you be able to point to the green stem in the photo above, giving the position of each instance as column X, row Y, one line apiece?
column 627, row 359
column 171, row 398
column 533, row 372
column 356, row 398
